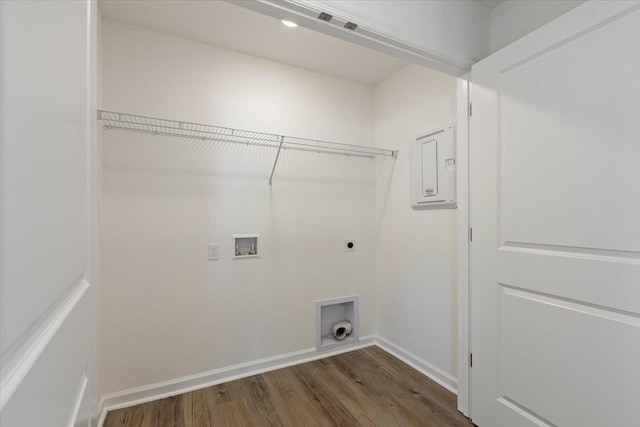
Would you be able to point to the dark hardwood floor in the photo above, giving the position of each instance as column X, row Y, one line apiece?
column 366, row 387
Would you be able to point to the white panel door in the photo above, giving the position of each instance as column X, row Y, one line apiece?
column 47, row 173
column 555, row 211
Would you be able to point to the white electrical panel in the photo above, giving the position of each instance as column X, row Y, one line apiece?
column 433, row 169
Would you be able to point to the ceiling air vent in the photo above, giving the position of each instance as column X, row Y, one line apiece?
column 325, row 17
column 350, row 26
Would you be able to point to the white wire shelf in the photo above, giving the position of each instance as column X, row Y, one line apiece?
column 217, row 133
column 180, row 129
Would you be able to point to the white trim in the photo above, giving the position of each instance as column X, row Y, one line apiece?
column 2, row 172
column 73, row 415
column 370, row 34
column 148, row 393
column 462, row 156
column 32, row 347
column 102, row 412
column 443, row 378
column 447, row 54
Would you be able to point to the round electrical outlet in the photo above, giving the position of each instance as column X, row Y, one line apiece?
column 350, row 245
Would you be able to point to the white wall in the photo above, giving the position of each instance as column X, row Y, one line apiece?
column 48, row 296
column 416, row 250
column 513, row 19
column 166, row 311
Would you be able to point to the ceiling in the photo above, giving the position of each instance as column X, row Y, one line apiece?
column 490, row 3
column 229, row 26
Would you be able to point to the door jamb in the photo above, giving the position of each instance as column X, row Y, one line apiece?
column 463, row 244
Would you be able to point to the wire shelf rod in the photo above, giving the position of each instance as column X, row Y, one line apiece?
column 218, row 133
column 255, row 144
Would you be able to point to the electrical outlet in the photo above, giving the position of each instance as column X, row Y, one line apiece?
column 350, row 245
column 214, row 251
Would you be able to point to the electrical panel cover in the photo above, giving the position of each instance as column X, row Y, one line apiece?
column 433, row 169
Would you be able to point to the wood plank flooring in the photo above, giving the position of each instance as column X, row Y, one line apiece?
column 366, row 387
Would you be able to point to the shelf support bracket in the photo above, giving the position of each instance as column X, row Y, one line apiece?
column 276, row 161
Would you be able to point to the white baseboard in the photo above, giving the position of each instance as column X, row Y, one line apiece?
column 443, row 378
column 148, row 393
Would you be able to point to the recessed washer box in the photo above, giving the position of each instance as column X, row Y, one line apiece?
column 246, row 246
column 433, row 169
column 328, row 313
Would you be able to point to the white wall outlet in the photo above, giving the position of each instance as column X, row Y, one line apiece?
column 350, row 245
column 214, row 251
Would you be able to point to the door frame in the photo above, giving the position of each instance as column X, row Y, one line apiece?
column 463, row 245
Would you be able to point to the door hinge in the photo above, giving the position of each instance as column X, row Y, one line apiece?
column 470, row 109
column 471, row 360
column 471, row 234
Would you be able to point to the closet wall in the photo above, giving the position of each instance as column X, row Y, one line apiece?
column 166, row 310
column 416, row 250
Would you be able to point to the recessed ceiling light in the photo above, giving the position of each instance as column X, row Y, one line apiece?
column 289, row 23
